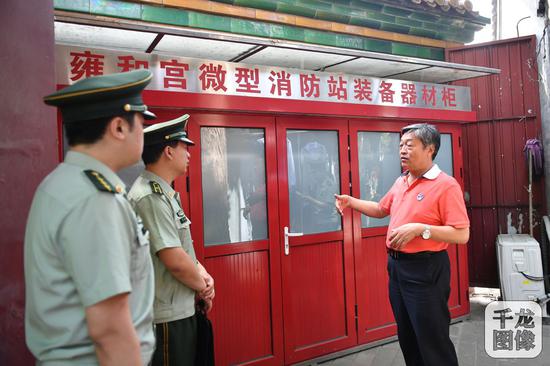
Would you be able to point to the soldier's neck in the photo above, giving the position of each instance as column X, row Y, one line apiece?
column 162, row 172
column 99, row 154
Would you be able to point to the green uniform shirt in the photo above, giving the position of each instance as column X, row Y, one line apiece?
column 82, row 246
column 160, row 207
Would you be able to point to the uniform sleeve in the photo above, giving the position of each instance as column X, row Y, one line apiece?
column 96, row 238
column 158, row 218
column 386, row 201
column 452, row 207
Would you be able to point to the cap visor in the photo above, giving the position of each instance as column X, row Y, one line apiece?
column 149, row 115
column 187, row 141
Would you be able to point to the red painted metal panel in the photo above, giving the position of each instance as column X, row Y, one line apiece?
column 483, row 89
column 483, row 231
column 506, row 164
column 374, row 315
column 530, row 77
column 499, row 56
column 241, row 318
column 454, row 297
column 316, row 300
column 495, row 165
column 516, row 87
column 267, row 105
column 462, row 283
column 479, row 164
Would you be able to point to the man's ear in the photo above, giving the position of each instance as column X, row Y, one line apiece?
column 168, row 152
column 431, row 149
column 117, row 128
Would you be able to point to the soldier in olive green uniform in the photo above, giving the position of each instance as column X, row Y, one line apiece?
column 88, row 272
column 178, row 274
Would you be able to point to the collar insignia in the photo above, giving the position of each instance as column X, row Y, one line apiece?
column 155, row 187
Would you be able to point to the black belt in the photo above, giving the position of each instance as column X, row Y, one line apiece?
column 401, row 255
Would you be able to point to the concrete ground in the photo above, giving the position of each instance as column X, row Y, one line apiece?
column 468, row 337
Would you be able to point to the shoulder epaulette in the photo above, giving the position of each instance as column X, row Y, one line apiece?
column 100, row 182
column 155, row 187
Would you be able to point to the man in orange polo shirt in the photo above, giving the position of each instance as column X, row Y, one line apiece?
column 427, row 213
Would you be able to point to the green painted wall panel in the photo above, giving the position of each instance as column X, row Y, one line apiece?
column 81, row 6
column 380, row 17
column 257, row 4
column 424, row 52
column 364, row 22
column 408, row 22
column 369, row 5
column 317, row 37
column 332, row 17
column 390, row 10
column 117, row 9
column 286, row 32
column 242, row 26
column 422, row 32
column 296, row 10
column 162, row 15
column 377, row 45
column 438, row 54
column 348, row 41
column 396, row 28
column 404, row 49
column 209, row 21
column 314, row 4
column 424, row 17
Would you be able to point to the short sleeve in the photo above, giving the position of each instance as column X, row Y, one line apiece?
column 158, row 218
column 452, row 207
column 96, row 238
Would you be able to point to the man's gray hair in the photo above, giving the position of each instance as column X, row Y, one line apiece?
column 426, row 133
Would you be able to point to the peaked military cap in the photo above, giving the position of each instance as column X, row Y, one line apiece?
column 102, row 96
column 173, row 130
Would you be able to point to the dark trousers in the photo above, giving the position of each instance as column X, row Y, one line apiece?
column 176, row 343
column 419, row 290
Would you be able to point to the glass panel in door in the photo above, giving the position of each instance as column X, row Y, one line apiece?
column 444, row 158
column 233, row 185
column 313, row 178
column 379, row 167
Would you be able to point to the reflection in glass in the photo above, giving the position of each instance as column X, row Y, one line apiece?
column 444, row 158
column 379, row 167
column 233, row 185
column 313, row 178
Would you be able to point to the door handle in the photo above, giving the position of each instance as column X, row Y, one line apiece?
column 287, row 234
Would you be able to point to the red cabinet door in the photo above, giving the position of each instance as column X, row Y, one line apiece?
column 315, row 241
column 234, row 214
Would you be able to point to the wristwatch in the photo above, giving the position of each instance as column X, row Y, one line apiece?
column 427, row 233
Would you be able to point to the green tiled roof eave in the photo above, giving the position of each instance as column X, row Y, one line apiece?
column 193, row 19
column 390, row 15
